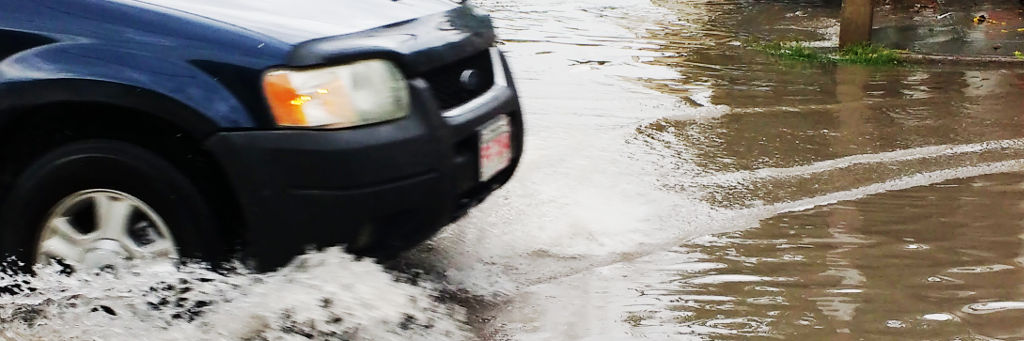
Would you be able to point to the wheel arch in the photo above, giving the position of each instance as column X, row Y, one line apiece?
column 30, row 131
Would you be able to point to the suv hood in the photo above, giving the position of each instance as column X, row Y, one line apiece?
column 296, row 21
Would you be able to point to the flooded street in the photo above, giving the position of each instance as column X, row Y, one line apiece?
column 886, row 266
column 676, row 184
column 862, row 194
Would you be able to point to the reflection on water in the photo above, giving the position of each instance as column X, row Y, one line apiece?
column 940, row 261
column 775, row 116
column 934, row 262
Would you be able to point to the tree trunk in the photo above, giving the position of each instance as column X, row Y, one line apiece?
column 855, row 24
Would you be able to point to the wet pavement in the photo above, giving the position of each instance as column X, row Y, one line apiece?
column 677, row 184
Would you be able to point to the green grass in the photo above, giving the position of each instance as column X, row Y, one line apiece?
column 1018, row 54
column 868, row 54
column 792, row 51
column 863, row 54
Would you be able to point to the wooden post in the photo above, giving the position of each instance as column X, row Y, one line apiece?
column 855, row 24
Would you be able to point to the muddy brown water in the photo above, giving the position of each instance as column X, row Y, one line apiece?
column 937, row 262
column 886, row 201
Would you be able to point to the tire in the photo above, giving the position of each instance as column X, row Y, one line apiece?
column 108, row 165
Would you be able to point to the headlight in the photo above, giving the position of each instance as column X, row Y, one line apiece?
column 359, row 93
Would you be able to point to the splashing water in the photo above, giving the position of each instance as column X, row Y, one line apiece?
column 323, row 295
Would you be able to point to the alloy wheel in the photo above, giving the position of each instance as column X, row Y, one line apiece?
column 102, row 228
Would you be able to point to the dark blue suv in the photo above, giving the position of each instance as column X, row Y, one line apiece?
column 214, row 129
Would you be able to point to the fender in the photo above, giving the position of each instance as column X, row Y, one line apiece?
column 177, row 91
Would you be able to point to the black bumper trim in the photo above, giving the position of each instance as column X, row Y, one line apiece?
column 379, row 189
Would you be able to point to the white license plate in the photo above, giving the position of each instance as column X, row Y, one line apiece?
column 495, row 147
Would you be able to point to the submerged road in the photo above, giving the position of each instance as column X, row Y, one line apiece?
column 862, row 196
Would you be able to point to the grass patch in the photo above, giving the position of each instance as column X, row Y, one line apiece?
column 868, row 54
column 863, row 54
column 792, row 51
column 1018, row 54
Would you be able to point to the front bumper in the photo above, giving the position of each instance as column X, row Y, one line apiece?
column 378, row 189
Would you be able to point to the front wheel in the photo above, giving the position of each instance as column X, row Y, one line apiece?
column 97, row 203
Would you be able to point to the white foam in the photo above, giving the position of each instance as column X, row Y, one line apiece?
column 939, row 317
column 921, row 179
column 325, row 295
column 844, row 162
column 993, row 307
